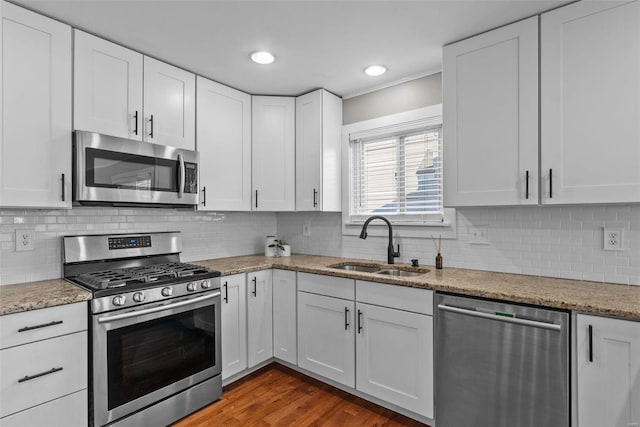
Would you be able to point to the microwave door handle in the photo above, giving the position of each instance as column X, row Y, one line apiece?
column 181, row 176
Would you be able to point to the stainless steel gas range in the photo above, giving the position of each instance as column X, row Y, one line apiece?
column 155, row 327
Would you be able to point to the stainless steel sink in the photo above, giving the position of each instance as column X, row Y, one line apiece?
column 401, row 273
column 356, row 267
column 378, row 269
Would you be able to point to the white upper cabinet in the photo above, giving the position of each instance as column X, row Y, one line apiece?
column 107, row 87
column 169, row 105
column 123, row 93
column 224, row 142
column 35, row 151
column 318, row 152
column 490, row 90
column 273, row 153
column 590, row 103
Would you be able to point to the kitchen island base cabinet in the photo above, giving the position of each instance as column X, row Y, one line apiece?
column 608, row 372
column 234, row 324
column 284, row 316
column 259, row 316
column 325, row 337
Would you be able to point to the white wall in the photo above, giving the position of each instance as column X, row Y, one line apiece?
column 563, row 242
column 205, row 235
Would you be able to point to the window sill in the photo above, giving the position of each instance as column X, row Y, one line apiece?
column 419, row 230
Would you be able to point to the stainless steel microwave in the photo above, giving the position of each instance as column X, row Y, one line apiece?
column 118, row 171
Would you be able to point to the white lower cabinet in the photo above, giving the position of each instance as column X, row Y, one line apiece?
column 43, row 367
column 325, row 337
column 608, row 372
column 394, row 357
column 234, row 324
column 284, row 316
column 259, row 316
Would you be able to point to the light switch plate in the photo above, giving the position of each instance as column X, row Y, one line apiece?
column 306, row 229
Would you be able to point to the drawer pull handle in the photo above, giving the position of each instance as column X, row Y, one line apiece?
column 44, row 325
column 42, row 374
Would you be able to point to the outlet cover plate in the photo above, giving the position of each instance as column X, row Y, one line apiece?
column 24, row 240
column 612, row 239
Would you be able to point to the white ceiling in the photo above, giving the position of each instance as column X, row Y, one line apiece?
column 317, row 43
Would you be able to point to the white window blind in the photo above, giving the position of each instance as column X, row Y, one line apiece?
column 397, row 174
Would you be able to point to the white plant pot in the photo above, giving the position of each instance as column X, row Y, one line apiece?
column 286, row 251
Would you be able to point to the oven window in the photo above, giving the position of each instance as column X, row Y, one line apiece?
column 112, row 169
column 148, row 356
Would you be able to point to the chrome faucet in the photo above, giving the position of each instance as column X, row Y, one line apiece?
column 391, row 254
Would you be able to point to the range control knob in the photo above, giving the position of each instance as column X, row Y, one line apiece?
column 206, row 284
column 138, row 297
column 167, row 292
column 192, row 287
column 119, row 300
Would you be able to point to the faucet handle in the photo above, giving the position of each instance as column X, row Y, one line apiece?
column 397, row 254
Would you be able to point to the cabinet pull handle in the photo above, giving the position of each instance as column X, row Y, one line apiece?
column 41, row 374
column 315, row 198
column 255, row 286
column 590, row 343
column 346, row 319
column 256, row 198
column 151, row 123
column 359, row 321
column 204, row 196
column 135, row 119
column 526, row 180
column 44, row 325
column 63, row 197
column 226, row 292
column 550, row 183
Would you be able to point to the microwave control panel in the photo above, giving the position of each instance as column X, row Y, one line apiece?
column 190, row 178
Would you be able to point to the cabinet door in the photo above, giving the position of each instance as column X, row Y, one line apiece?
column 318, row 151
column 107, row 87
column 224, row 142
column 394, row 357
column 590, row 103
column 260, row 316
column 273, row 153
column 35, row 152
column 169, row 105
column 325, row 337
column 234, row 324
column 608, row 370
column 284, row 316
column 490, row 90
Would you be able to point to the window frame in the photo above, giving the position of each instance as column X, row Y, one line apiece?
column 351, row 225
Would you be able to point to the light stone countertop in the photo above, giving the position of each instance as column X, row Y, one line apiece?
column 36, row 295
column 582, row 296
column 589, row 297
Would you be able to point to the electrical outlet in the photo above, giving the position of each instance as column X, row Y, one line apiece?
column 306, row 229
column 24, row 240
column 612, row 239
column 479, row 236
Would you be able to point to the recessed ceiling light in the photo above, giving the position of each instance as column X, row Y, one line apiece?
column 375, row 70
column 262, row 57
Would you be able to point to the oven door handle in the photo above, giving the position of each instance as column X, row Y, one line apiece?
column 130, row 314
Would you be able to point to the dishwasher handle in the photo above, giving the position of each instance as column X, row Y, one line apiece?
column 523, row 322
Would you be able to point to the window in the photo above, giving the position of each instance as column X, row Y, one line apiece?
column 397, row 172
column 398, row 175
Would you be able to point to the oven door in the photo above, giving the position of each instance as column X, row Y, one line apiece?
column 116, row 170
column 141, row 357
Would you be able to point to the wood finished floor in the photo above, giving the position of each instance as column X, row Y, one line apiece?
column 279, row 396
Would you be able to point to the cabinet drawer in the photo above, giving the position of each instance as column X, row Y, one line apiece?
column 35, row 325
column 68, row 411
column 337, row 287
column 399, row 297
column 22, row 387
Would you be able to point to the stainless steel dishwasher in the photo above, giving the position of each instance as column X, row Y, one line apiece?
column 500, row 365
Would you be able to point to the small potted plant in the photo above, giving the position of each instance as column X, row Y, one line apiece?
column 281, row 248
